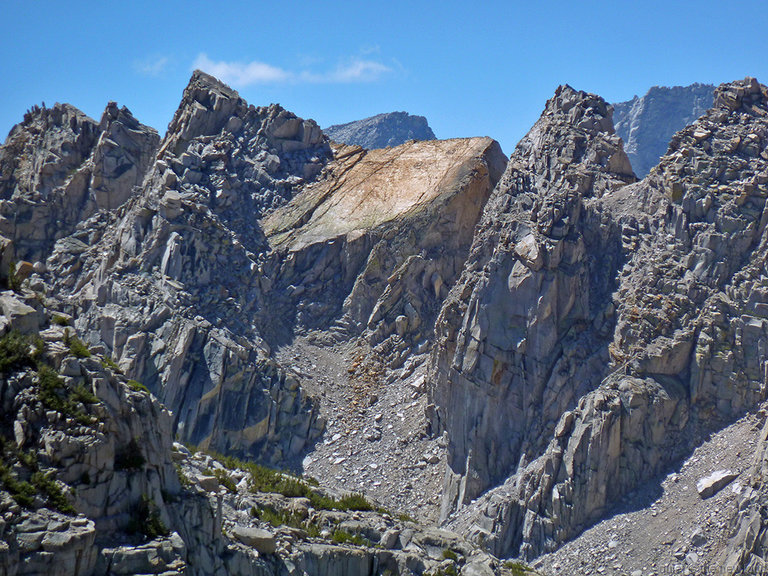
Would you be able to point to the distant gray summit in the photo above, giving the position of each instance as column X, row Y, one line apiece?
column 382, row 130
column 647, row 124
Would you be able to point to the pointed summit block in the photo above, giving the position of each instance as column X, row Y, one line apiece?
column 209, row 109
column 531, row 264
column 575, row 136
column 122, row 157
column 205, row 110
column 748, row 94
column 59, row 167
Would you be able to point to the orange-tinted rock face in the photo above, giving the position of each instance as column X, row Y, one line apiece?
column 366, row 189
column 384, row 234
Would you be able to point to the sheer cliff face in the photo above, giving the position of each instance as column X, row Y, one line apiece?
column 382, row 130
column 646, row 124
column 522, row 335
column 379, row 241
column 669, row 344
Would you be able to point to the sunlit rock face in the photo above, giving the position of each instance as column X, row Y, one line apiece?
column 646, row 124
column 578, row 395
column 381, row 131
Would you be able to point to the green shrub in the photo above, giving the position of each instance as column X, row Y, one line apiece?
column 517, row 568
column 47, row 485
column 51, row 395
column 60, row 320
column 350, row 502
column 225, row 480
column 14, row 282
column 311, row 481
column 51, row 385
column 15, row 352
column 22, row 492
column 38, row 345
column 107, row 362
column 354, row 502
column 130, row 457
column 449, row 554
column 263, row 479
column 183, row 480
column 137, row 386
column 146, row 519
column 449, row 571
column 27, row 459
column 341, row 536
column 276, row 517
column 279, row 518
column 78, row 348
column 193, row 449
column 39, row 484
column 82, row 394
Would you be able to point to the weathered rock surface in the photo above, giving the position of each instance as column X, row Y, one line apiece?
column 715, row 482
column 189, row 292
column 75, row 438
column 382, row 130
column 378, row 242
column 168, row 284
column 586, row 330
column 664, row 524
column 90, row 483
column 746, row 553
column 317, row 539
column 59, row 167
column 682, row 327
column 538, row 274
column 647, row 124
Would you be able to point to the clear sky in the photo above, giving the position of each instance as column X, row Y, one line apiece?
column 473, row 69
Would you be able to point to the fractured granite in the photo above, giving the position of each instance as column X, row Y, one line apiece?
column 670, row 352
column 647, row 123
column 381, row 131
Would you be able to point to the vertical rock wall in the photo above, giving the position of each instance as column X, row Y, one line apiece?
column 521, row 335
column 685, row 339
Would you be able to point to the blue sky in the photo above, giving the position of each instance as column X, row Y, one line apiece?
column 472, row 69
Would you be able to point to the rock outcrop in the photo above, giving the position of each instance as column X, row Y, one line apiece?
column 189, row 292
column 382, row 130
column 91, row 483
column 325, row 534
column 513, row 351
column 673, row 349
column 376, row 244
column 81, row 449
column 59, row 167
column 746, row 551
column 647, row 124
column 168, row 283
